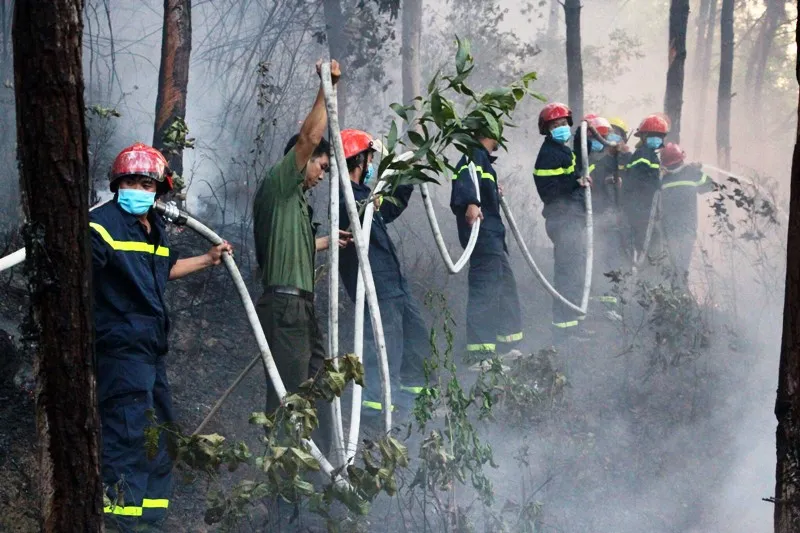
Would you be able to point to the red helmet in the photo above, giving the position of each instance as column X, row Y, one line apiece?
column 553, row 111
column 141, row 160
column 672, row 155
column 657, row 123
column 355, row 142
column 602, row 125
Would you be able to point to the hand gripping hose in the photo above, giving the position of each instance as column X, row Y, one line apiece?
column 360, row 243
column 437, row 234
column 587, row 279
column 173, row 214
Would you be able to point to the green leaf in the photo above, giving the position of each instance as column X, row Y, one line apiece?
column 391, row 141
column 305, row 458
column 462, row 54
column 416, row 138
column 400, row 110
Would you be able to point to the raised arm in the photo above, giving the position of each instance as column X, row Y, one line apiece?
column 316, row 122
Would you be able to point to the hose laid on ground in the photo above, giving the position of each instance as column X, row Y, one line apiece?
column 437, row 234
column 360, row 242
column 173, row 214
column 587, row 280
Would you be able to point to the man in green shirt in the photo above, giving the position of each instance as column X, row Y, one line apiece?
column 285, row 246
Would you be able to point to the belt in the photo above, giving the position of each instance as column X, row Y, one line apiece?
column 292, row 291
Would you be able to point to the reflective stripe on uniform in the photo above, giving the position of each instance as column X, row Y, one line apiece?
column 377, row 406
column 606, row 299
column 644, row 161
column 128, row 246
column 412, row 390
column 564, row 325
column 514, row 337
column 478, row 170
column 135, row 510
column 549, row 172
column 481, row 347
column 697, row 183
column 592, row 167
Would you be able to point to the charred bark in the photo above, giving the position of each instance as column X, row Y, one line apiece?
column 412, row 35
column 572, row 15
column 337, row 45
column 52, row 151
column 759, row 57
column 724, row 96
column 705, row 44
column 673, row 99
column 173, row 79
column 787, row 406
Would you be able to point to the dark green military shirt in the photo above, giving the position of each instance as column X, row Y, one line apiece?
column 282, row 226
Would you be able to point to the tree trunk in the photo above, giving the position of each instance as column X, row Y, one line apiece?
column 52, row 151
column 705, row 45
column 572, row 14
column 724, row 96
column 787, row 406
column 173, row 78
column 673, row 99
column 412, row 35
column 759, row 57
column 337, row 45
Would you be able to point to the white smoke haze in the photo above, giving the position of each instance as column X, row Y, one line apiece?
column 637, row 462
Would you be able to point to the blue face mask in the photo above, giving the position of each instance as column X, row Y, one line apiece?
column 370, row 174
column 654, row 142
column 597, row 146
column 614, row 138
column 135, row 201
column 561, row 134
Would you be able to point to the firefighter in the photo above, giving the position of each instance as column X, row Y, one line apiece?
column 603, row 168
column 642, row 177
column 404, row 330
column 680, row 186
column 131, row 264
column 285, row 246
column 493, row 311
column 558, row 181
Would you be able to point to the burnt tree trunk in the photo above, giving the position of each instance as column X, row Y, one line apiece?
column 572, row 15
column 673, row 99
column 787, row 406
column 54, row 180
column 705, row 44
column 759, row 57
column 724, row 96
column 412, row 35
column 337, row 45
column 173, row 80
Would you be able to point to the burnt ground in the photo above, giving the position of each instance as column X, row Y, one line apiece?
column 620, row 452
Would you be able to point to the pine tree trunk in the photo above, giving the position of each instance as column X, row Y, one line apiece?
column 173, row 77
column 52, row 151
column 337, row 45
column 787, row 406
column 572, row 14
column 412, row 35
column 673, row 99
column 705, row 45
column 724, row 96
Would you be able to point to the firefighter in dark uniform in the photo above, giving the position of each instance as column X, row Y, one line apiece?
column 404, row 329
column 557, row 178
column 680, row 186
column 603, row 168
column 131, row 264
column 643, row 176
column 493, row 311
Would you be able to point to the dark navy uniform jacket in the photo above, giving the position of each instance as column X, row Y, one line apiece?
column 556, row 174
column 642, row 178
column 389, row 282
column 679, row 190
column 131, row 269
column 492, row 235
